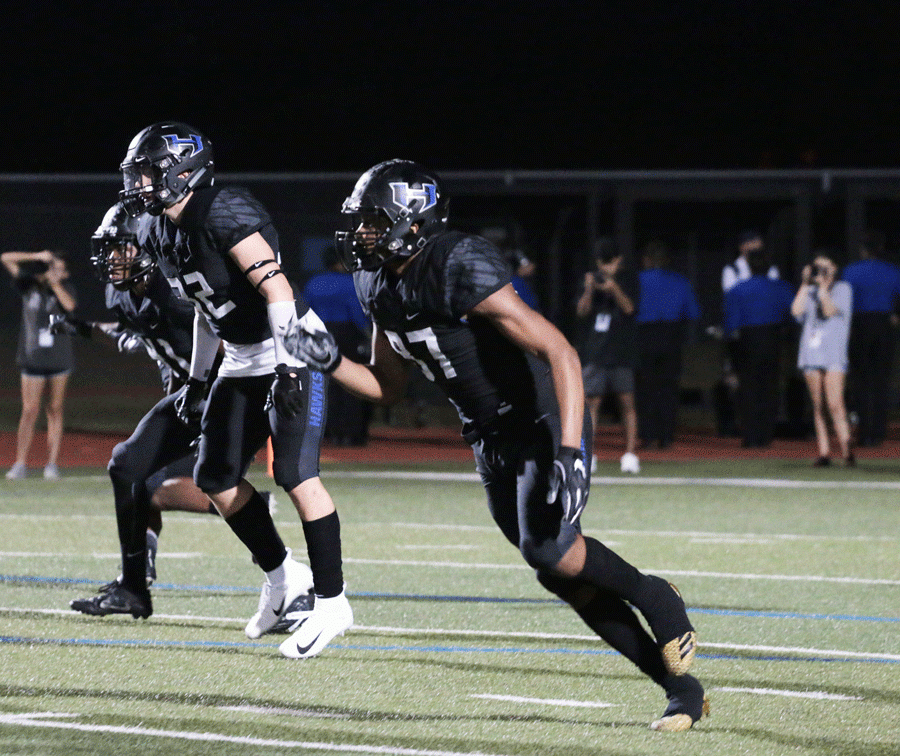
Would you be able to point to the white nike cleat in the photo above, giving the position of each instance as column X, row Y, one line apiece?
column 330, row 617
column 630, row 463
column 282, row 585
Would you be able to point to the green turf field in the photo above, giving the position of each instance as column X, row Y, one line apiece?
column 792, row 577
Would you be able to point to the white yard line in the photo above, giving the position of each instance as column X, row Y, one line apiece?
column 432, row 564
column 512, row 634
column 544, row 701
column 654, row 570
column 814, row 694
column 50, row 721
column 631, row 480
column 690, row 534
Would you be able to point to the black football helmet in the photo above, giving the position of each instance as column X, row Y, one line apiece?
column 387, row 201
column 115, row 251
column 154, row 165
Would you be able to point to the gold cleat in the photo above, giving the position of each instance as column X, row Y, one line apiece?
column 678, row 654
column 679, row 722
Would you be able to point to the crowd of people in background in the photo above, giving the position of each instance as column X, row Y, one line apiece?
column 633, row 330
column 632, row 323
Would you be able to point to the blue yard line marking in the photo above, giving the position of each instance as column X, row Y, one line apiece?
column 430, row 649
column 753, row 613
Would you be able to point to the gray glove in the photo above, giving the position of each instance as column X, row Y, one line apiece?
column 317, row 349
column 70, row 326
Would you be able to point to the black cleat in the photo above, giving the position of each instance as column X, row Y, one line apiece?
column 118, row 600
column 688, row 704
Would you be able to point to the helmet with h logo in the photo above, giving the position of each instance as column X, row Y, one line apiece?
column 394, row 208
column 164, row 163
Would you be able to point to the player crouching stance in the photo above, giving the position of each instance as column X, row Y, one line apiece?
column 443, row 300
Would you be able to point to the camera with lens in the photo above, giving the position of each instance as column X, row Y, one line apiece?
column 33, row 268
column 819, row 271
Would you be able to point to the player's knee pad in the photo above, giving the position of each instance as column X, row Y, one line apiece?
column 544, row 553
column 286, row 475
column 120, row 467
column 215, row 478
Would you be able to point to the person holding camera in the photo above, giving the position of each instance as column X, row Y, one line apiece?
column 824, row 307
column 608, row 343
column 44, row 358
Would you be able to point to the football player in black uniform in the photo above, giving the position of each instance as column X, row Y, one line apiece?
column 218, row 248
column 153, row 470
column 443, row 300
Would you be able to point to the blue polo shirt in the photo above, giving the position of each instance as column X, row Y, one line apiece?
column 875, row 283
column 333, row 297
column 665, row 297
column 758, row 301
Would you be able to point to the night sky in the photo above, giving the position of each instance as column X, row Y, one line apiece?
column 338, row 86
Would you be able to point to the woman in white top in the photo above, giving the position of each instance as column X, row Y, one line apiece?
column 824, row 306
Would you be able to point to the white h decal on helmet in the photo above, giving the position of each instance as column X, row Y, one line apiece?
column 404, row 195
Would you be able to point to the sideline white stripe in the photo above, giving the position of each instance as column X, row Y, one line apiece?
column 800, row 650
column 789, row 578
column 519, row 635
column 99, row 555
column 814, row 694
column 631, row 480
column 829, row 485
column 450, row 477
column 283, row 712
column 38, row 719
column 544, row 701
column 648, row 533
column 837, row 579
column 654, row 570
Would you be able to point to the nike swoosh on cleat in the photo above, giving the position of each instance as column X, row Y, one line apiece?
column 303, row 649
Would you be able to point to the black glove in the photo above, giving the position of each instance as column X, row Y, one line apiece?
column 568, row 483
column 70, row 326
column 285, row 395
column 190, row 403
column 317, row 349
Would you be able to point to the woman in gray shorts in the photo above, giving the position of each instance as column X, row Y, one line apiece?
column 44, row 358
column 824, row 306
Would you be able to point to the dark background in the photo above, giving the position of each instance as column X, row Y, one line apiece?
column 458, row 85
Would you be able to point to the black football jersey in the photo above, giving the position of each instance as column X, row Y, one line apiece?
column 164, row 323
column 194, row 257
column 424, row 316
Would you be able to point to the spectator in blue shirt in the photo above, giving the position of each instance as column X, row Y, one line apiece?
column 666, row 306
column 333, row 297
column 756, row 312
column 876, row 290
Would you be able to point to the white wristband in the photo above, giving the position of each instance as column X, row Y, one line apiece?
column 282, row 317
